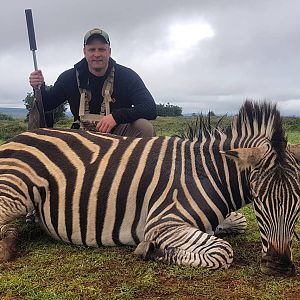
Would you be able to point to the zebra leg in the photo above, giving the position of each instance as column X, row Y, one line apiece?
column 147, row 250
column 183, row 244
column 234, row 223
column 8, row 242
column 31, row 217
column 10, row 209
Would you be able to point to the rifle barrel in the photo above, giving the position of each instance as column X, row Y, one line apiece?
column 36, row 115
column 31, row 36
column 30, row 29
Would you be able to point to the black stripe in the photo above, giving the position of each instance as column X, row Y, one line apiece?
column 164, row 177
column 195, row 193
column 12, row 186
column 145, row 181
column 109, row 174
column 123, row 191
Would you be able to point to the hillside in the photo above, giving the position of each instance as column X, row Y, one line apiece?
column 18, row 113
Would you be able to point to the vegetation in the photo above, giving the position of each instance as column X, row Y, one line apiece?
column 57, row 113
column 167, row 126
column 46, row 269
column 5, row 117
column 168, row 110
column 10, row 128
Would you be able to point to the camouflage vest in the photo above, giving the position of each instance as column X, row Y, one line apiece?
column 87, row 121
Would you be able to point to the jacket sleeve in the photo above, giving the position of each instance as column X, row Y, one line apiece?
column 55, row 95
column 141, row 100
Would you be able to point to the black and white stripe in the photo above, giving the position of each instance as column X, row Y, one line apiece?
column 165, row 194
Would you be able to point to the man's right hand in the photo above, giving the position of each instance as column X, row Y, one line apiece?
column 36, row 79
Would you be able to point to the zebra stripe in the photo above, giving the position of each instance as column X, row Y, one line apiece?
column 166, row 195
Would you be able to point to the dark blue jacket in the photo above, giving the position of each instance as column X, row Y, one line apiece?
column 132, row 100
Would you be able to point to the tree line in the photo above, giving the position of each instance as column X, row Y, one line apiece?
column 168, row 110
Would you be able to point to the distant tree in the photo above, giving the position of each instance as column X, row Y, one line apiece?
column 168, row 110
column 5, row 117
column 58, row 113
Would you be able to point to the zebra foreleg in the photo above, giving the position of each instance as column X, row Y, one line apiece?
column 186, row 245
column 31, row 217
column 234, row 223
column 148, row 250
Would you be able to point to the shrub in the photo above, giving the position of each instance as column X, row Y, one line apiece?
column 11, row 128
column 5, row 117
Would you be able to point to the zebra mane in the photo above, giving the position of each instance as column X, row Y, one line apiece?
column 201, row 127
column 260, row 120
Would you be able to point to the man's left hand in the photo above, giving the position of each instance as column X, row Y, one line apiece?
column 106, row 124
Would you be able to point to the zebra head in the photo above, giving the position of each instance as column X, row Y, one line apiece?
column 274, row 182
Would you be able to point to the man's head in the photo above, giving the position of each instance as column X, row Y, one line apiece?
column 97, row 51
column 94, row 34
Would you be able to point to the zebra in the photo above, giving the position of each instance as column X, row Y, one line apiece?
column 165, row 195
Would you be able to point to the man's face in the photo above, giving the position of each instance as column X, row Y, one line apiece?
column 97, row 54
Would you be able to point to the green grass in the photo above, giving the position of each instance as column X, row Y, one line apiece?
column 46, row 269
column 10, row 128
column 167, row 126
column 294, row 137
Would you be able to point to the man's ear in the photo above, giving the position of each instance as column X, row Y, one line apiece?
column 246, row 157
column 295, row 150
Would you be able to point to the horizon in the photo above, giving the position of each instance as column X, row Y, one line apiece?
column 68, row 112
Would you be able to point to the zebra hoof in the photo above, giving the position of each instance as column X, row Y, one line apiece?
column 145, row 250
column 7, row 249
column 234, row 223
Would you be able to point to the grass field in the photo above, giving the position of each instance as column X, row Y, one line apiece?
column 294, row 137
column 47, row 269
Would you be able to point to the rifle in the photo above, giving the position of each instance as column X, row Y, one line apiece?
column 36, row 114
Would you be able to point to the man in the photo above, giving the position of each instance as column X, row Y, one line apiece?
column 101, row 92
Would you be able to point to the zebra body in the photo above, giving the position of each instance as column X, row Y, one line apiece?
column 166, row 195
column 120, row 199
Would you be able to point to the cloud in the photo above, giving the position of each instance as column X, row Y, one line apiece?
column 200, row 55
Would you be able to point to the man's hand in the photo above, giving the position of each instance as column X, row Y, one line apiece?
column 36, row 79
column 106, row 124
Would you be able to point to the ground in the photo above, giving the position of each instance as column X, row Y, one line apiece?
column 46, row 269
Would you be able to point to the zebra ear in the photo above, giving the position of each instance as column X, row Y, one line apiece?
column 246, row 157
column 295, row 150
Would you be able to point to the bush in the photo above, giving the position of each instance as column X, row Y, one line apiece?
column 291, row 124
column 11, row 128
column 168, row 110
column 5, row 117
column 65, row 122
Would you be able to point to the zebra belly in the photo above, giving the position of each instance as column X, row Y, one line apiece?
column 88, row 230
column 107, row 239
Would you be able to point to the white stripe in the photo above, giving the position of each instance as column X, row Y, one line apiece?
column 93, row 199
column 111, row 208
column 130, row 211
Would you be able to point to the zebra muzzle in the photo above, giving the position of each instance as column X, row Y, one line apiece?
column 277, row 264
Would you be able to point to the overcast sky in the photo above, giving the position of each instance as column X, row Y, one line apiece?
column 199, row 55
